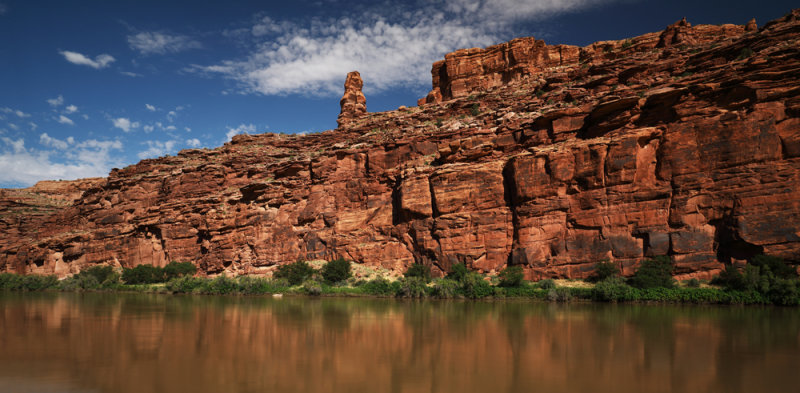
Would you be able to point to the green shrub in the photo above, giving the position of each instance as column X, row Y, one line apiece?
column 10, row 281
column 336, row 271
column 511, row 276
column 378, row 287
column 103, row 273
column 296, row 273
column 222, row 285
column 445, row 288
column 250, row 285
column 475, row 110
column 784, row 292
column 627, row 44
column 604, row 270
column 613, row 289
column 413, row 287
column 475, row 287
column 79, row 282
column 654, row 273
column 560, row 294
column 546, row 284
column 31, row 282
column 179, row 269
column 419, row 270
column 143, row 274
column 186, row 284
column 776, row 265
column 730, row 278
column 458, row 272
column 35, row 282
column 312, row 288
column 693, row 283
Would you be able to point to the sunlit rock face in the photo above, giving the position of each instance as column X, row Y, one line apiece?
column 353, row 103
column 683, row 143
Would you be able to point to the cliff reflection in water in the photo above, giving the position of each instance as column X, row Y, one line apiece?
column 138, row 343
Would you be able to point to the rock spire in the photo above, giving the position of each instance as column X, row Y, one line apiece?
column 353, row 102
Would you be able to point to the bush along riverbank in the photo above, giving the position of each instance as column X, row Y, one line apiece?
column 765, row 280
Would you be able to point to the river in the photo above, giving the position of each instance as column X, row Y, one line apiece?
column 98, row 342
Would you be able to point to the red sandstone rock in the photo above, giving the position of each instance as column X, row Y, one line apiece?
column 353, row 103
column 638, row 152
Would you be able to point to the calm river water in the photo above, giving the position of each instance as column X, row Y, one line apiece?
column 51, row 342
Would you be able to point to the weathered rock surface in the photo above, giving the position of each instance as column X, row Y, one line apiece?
column 619, row 151
column 353, row 103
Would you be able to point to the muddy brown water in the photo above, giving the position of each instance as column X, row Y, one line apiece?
column 93, row 342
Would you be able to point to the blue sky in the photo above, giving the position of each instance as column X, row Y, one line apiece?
column 86, row 86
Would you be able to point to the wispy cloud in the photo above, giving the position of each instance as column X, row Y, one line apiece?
column 390, row 45
column 71, row 160
column 48, row 141
column 241, row 129
column 99, row 62
column 125, row 124
column 71, row 109
column 150, row 108
column 65, row 120
column 56, row 102
column 130, row 74
column 16, row 112
column 151, row 42
column 194, row 143
column 157, row 149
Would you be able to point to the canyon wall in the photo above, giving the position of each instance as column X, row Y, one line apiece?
column 683, row 143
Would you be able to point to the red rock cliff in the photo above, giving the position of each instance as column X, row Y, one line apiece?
column 633, row 151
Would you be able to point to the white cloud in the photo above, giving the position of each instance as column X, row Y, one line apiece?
column 13, row 126
column 17, row 145
column 187, row 129
column 147, row 128
column 33, row 125
column 17, row 112
column 130, row 74
column 394, row 49
column 99, row 62
column 125, row 124
column 22, row 166
column 56, row 102
column 151, row 42
column 65, row 120
column 170, row 128
column 48, row 141
column 150, row 108
column 194, row 142
column 242, row 129
column 85, row 117
column 157, row 149
column 71, row 109
column 171, row 115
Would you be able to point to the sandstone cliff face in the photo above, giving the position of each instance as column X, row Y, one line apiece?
column 634, row 150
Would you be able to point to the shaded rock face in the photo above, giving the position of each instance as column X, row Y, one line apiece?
column 353, row 103
column 632, row 152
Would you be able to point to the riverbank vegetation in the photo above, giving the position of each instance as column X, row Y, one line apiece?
column 765, row 280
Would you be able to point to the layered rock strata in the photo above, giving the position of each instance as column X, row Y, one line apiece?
column 635, row 150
